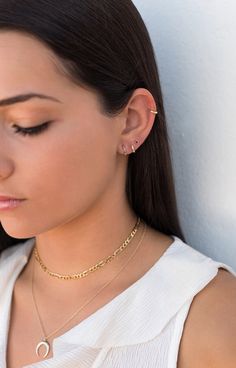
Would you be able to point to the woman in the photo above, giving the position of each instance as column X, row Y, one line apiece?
column 94, row 268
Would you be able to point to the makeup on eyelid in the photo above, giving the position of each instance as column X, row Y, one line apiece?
column 27, row 124
column 34, row 130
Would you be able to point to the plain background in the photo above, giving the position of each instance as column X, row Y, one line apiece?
column 195, row 49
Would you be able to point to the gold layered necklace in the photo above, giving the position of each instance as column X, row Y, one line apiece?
column 95, row 267
column 44, row 342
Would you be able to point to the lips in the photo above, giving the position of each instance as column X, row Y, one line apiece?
column 7, row 198
column 10, row 204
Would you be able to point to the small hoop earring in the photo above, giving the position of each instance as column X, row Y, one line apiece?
column 133, row 148
column 124, row 149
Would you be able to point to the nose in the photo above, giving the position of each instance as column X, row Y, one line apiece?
column 6, row 155
column 6, row 162
column 6, row 168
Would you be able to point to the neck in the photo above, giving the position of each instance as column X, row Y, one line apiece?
column 79, row 244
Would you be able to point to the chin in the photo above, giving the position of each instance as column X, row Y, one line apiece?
column 18, row 232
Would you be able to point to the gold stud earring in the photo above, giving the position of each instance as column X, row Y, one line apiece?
column 133, row 149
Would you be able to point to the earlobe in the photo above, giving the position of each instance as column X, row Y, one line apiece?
column 124, row 150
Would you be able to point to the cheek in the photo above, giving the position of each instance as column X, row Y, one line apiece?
column 65, row 181
column 62, row 176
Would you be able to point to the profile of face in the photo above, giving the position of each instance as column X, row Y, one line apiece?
column 72, row 160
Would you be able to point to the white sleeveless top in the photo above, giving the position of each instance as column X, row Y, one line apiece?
column 140, row 327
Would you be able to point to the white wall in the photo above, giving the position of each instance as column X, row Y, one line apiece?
column 195, row 44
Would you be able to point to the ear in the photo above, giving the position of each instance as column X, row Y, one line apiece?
column 137, row 120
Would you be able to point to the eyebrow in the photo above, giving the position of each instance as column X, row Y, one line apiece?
column 25, row 97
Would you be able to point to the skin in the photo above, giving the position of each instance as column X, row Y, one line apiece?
column 73, row 174
column 73, row 178
column 209, row 336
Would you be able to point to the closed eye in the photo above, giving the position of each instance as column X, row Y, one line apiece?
column 31, row 130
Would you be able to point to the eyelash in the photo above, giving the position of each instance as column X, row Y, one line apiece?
column 32, row 130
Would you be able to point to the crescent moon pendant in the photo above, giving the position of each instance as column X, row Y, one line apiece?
column 46, row 345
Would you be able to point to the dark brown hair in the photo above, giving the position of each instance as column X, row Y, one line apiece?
column 105, row 45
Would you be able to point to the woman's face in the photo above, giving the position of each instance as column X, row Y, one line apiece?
column 63, row 170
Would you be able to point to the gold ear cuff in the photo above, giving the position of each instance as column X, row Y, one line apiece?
column 154, row 111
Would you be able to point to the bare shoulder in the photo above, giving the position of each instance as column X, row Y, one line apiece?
column 209, row 335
